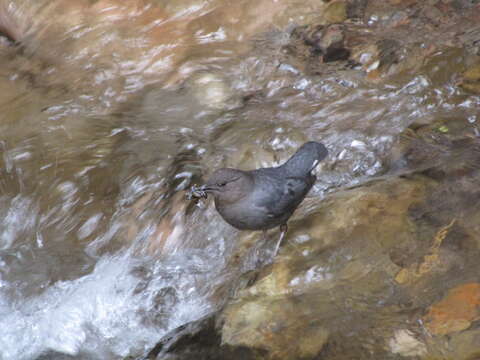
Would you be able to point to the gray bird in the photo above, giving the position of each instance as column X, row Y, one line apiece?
column 264, row 198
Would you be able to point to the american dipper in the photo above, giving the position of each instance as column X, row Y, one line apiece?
column 264, row 198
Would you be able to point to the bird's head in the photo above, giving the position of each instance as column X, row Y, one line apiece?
column 228, row 185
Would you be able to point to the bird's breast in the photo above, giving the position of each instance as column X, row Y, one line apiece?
column 245, row 215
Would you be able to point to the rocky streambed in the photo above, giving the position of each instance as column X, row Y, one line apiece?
column 111, row 110
column 386, row 268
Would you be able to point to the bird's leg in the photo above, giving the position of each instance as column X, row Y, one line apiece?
column 258, row 243
column 283, row 232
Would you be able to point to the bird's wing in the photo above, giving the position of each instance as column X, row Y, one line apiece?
column 280, row 195
column 296, row 188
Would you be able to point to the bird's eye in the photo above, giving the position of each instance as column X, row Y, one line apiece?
column 222, row 184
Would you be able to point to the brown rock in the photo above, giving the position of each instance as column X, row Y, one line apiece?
column 430, row 262
column 336, row 12
column 328, row 41
column 460, row 346
column 277, row 327
column 471, row 79
column 456, row 311
column 383, row 205
column 286, row 311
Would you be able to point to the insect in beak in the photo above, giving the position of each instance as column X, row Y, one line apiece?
column 197, row 192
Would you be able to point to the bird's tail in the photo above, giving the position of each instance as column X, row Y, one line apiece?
column 306, row 158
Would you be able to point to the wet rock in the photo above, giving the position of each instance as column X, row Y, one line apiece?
column 203, row 343
column 277, row 327
column 380, row 55
column 445, row 144
column 460, row 346
column 387, row 203
column 328, row 42
column 471, row 79
column 471, row 39
column 385, row 57
column 406, row 344
column 335, row 12
column 356, row 9
column 337, row 245
column 211, row 90
column 381, row 40
column 383, row 253
column 456, row 311
column 430, row 262
column 357, row 271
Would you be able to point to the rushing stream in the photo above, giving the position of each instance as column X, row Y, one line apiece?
column 110, row 110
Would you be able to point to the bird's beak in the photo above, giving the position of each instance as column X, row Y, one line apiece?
column 207, row 188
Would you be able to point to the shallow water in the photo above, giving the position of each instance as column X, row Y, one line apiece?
column 109, row 112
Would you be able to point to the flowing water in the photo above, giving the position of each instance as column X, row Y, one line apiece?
column 108, row 112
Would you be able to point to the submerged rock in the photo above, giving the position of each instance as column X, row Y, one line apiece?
column 211, row 90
